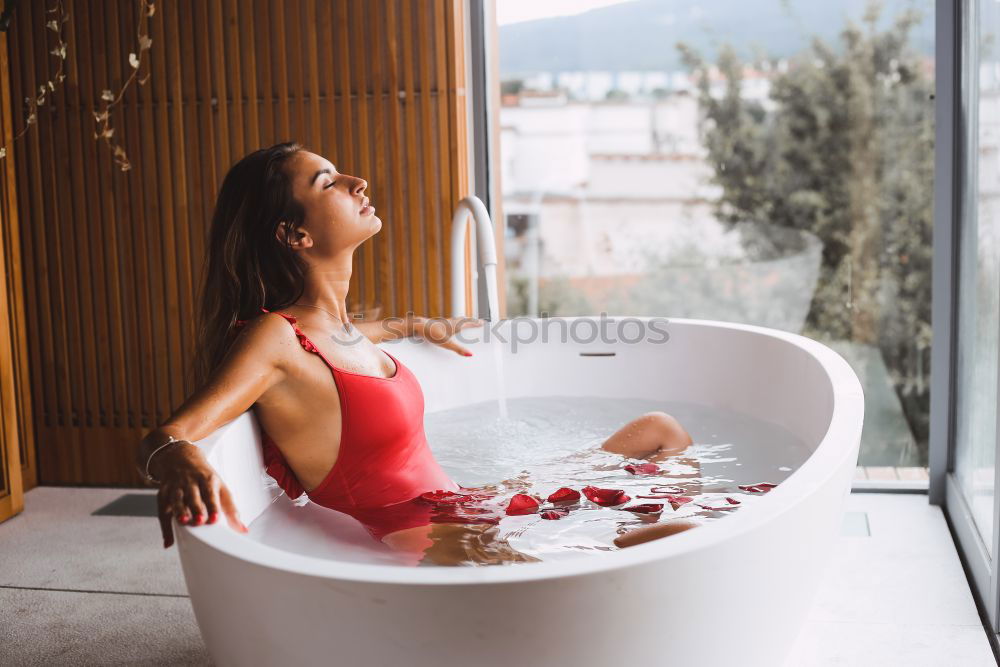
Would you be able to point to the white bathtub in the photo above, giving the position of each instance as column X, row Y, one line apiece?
column 732, row 592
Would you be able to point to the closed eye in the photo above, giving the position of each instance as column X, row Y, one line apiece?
column 329, row 185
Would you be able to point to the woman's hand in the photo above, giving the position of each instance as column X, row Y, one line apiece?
column 191, row 491
column 439, row 330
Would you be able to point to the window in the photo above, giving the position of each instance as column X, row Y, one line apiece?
column 766, row 162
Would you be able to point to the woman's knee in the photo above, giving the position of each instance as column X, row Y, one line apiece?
column 673, row 437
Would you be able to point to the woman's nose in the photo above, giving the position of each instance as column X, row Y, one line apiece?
column 361, row 186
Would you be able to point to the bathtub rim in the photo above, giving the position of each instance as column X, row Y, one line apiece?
column 822, row 465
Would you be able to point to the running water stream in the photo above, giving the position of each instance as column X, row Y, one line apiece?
column 496, row 346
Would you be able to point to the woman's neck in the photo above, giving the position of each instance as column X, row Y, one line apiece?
column 327, row 294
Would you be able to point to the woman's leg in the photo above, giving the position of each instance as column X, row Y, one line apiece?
column 456, row 544
column 654, row 435
column 653, row 532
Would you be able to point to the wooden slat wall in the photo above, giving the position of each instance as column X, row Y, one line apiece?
column 113, row 258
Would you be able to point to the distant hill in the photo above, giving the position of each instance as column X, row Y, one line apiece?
column 642, row 35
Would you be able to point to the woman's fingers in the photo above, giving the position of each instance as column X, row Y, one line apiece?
column 452, row 345
column 229, row 507
column 195, row 504
column 194, row 495
column 210, row 495
column 177, row 506
column 166, row 525
column 167, row 528
column 440, row 332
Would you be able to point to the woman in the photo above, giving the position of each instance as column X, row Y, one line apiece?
column 273, row 329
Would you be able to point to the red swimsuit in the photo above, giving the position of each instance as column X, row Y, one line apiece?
column 384, row 463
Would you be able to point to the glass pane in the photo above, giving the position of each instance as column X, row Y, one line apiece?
column 767, row 162
column 979, row 288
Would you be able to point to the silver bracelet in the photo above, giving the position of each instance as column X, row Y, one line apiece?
column 171, row 441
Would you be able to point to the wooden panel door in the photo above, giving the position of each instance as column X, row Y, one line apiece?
column 11, row 487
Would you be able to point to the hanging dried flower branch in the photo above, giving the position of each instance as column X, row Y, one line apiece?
column 54, row 25
column 103, row 117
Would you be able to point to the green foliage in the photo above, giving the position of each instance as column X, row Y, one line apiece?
column 842, row 148
column 511, row 87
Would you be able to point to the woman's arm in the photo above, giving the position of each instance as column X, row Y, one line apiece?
column 390, row 328
column 188, row 484
column 437, row 330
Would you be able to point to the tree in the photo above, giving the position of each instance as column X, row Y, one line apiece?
column 844, row 149
column 511, row 87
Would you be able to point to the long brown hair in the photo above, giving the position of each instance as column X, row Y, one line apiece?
column 247, row 266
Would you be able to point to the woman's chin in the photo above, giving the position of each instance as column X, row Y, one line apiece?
column 376, row 225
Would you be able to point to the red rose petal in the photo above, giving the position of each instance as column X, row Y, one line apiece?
column 677, row 501
column 646, row 508
column 667, row 489
column 605, row 497
column 564, row 495
column 556, row 513
column 657, row 496
column 642, row 468
column 732, row 501
column 522, row 503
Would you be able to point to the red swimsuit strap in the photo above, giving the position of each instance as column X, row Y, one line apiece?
column 307, row 344
column 290, row 318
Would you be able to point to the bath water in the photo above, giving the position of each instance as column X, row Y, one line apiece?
column 551, row 442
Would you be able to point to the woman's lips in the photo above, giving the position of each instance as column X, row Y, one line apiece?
column 368, row 210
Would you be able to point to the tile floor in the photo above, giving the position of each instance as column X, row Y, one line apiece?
column 79, row 589
column 896, row 597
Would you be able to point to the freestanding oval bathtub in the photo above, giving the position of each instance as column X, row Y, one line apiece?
column 732, row 592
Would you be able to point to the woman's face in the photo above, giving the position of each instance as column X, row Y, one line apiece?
column 336, row 217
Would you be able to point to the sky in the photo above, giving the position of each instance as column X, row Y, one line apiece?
column 515, row 11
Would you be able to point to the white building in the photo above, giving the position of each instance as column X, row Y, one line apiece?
column 612, row 185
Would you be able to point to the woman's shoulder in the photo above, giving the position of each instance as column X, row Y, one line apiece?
column 269, row 321
column 265, row 332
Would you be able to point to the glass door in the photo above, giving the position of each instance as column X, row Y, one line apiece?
column 972, row 484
